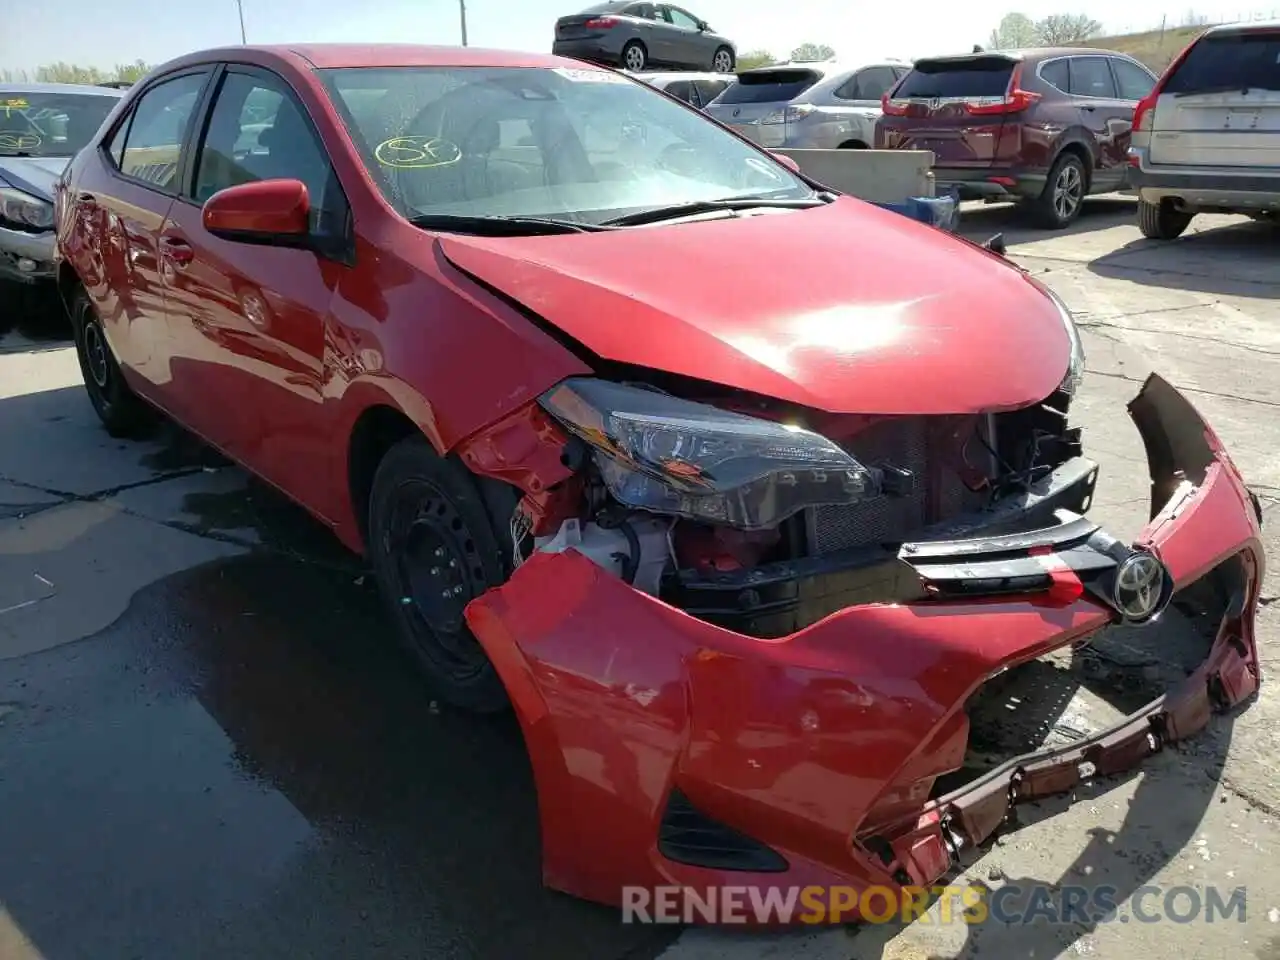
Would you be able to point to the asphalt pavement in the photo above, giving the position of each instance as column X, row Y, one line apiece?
column 208, row 748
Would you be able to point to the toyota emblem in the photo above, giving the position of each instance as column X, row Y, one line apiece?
column 1140, row 590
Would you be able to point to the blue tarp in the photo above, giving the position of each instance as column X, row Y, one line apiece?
column 940, row 212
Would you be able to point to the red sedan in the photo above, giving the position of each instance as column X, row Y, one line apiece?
column 736, row 490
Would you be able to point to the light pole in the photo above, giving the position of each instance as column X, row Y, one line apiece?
column 462, row 12
column 240, row 10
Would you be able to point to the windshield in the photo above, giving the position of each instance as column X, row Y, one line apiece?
column 584, row 145
column 1230, row 61
column 50, row 124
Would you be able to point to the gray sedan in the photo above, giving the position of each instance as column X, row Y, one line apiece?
column 42, row 126
column 638, row 35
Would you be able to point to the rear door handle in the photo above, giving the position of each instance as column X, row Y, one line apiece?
column 177, row 250
column 1090, row 109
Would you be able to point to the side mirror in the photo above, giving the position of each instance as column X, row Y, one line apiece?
column 703, row 26
column 272, row 212
column 786, row 161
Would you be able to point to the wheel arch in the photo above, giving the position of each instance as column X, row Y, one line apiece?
column 1083, row 151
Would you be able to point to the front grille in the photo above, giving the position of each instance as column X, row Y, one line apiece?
column 937, row 493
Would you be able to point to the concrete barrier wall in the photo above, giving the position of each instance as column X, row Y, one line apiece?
column 881, row 176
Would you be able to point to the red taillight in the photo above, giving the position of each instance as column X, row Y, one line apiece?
column 1014, row 101
column 892, row 108
column 1148, row 103
column 601, row 23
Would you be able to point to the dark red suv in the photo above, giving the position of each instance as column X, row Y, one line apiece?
column 1046, row 127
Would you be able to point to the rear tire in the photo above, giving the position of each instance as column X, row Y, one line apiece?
column 433, row 547
column 634, row 56
column 1063, row 195
column 1162, row 221
column 121, row 411
column 722, row 61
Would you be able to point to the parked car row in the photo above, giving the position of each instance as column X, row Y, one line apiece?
column 589, row 382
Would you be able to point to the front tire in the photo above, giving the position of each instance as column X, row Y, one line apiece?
column 722, row 61
column 434, row 549
column 634, row 56
column 1059, row 203
column 1162, row 221
column 121, row 411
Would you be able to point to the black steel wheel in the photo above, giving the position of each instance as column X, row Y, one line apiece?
column 433, row 546
column 121, row 411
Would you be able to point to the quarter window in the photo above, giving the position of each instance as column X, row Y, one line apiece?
column 1057, row 73
column 158, row 130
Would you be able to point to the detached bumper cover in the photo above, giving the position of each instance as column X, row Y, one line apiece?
column 809, row 759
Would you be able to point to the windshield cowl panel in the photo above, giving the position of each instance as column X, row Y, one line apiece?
column 584, row 146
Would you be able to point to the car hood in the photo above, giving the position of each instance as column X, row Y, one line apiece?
column 846, row 308
column 33, row 175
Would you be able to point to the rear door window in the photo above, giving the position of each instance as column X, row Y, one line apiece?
column 1091, row 77
column 976, row 77
column 708, row 90
column 1232, row 61
column 1132, row 82
column 161, row 120
column 869, row 84
column 770, row 86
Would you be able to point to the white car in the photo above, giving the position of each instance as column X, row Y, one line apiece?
column 820, row 106
column 1207, row 138
column 697, row 89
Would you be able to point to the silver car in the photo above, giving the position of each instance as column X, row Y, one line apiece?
column 808, row 106
column 696, row 89
column 637, row 35
column 42, row 126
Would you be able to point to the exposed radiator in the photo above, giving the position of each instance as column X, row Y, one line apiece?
column 936, row 494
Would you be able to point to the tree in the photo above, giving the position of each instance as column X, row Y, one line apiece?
column 1061, row 29
column 812, row 51
column 132, row 72
column 1015, row 32
column 61, row 72
column 755, row 58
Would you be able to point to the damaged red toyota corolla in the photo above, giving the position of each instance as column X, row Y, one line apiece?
column 755, row 502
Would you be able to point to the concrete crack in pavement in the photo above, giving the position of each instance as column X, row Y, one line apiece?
column 96, row 496
column 1099, row 325
column 1199, row 390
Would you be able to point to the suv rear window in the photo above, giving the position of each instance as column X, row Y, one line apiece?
column 1231, row 61
column 770, row 86
column 975, row 77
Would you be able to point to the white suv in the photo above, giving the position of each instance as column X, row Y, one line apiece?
column 1207, row 138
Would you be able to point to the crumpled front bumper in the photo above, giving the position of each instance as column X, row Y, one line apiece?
column 809, row 759
column 26, row 257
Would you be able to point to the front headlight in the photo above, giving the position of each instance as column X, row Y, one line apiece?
column 25, row 211
column 1075, row 365
column 659, row 453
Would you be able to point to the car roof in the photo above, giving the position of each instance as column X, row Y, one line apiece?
column 87, row 88
column 332, row 55
column 1029, row 53
column 1248, row 26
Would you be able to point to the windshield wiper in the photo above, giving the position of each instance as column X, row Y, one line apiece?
column 498, row 226
column 16, row 153
column 1241, row 88
column 658, row 214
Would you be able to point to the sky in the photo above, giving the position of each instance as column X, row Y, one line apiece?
column 106, row 32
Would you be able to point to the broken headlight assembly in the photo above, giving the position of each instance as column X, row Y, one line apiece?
column 21, row 211
column 1075, row 366
column 662, row 454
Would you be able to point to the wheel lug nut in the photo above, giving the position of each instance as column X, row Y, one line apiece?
column 435, row 571
column 445, row 595
column 457, row 591
column 453, row 564
column 439, row 551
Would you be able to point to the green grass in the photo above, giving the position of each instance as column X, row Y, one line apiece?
column 1152, row 48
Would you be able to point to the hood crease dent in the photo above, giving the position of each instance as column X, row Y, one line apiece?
column 846, row 308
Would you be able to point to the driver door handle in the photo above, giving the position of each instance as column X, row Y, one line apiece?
column 177, row 250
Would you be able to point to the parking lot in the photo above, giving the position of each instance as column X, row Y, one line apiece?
column 207, row 748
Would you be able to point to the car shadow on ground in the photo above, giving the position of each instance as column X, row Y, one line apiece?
column 1236, row 259
column 980, row 221
column 31, row 319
